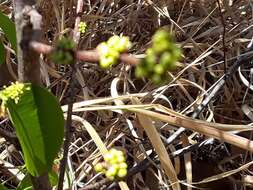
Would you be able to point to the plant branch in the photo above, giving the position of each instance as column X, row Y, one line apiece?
column 84, row 55
column 28, row 28
column 68, row 133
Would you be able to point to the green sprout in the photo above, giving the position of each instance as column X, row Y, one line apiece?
column 12, row 92
column 115, row 165
column 110, row 51
column 161, row 57
column 82, row 27
column 64, row 51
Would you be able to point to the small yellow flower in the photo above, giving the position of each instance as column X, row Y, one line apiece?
column 110, row 51
column 82, row 27
column 12, row 92
column 115, row 165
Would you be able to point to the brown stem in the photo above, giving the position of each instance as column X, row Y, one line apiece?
column 84, row 55
column 28, row 28
column 89, row 56
column 41, row 48
column 41, row 182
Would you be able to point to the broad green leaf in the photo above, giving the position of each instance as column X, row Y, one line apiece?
column 9, row 29
column 2, row 187
column 39, row 123
column 2, row 53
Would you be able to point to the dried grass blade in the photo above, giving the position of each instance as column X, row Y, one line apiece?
column 203, row 129
column 161, row 151
column 101, row 100
column 176, row 159
column 169, row 113
column 187, row 162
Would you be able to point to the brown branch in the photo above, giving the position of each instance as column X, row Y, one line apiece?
column 41, row 48
column 84, row 55
column 28, row 28
column 89, row 56
column 129, row 59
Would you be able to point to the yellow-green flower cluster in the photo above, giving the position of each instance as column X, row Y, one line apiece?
column 161, row 57
column 82, row 27
column 12, row 92
column 110, row 51
column 115, row 165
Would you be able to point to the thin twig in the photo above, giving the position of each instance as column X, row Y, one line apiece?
column 68, row 133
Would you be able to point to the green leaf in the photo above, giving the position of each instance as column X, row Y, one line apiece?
column 26, row 183
column 39, row 123
column 9, row 29
column 2, row 53
column 53, row 177
column 2, row 187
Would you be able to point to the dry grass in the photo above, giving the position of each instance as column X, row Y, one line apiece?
column 198, row 28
